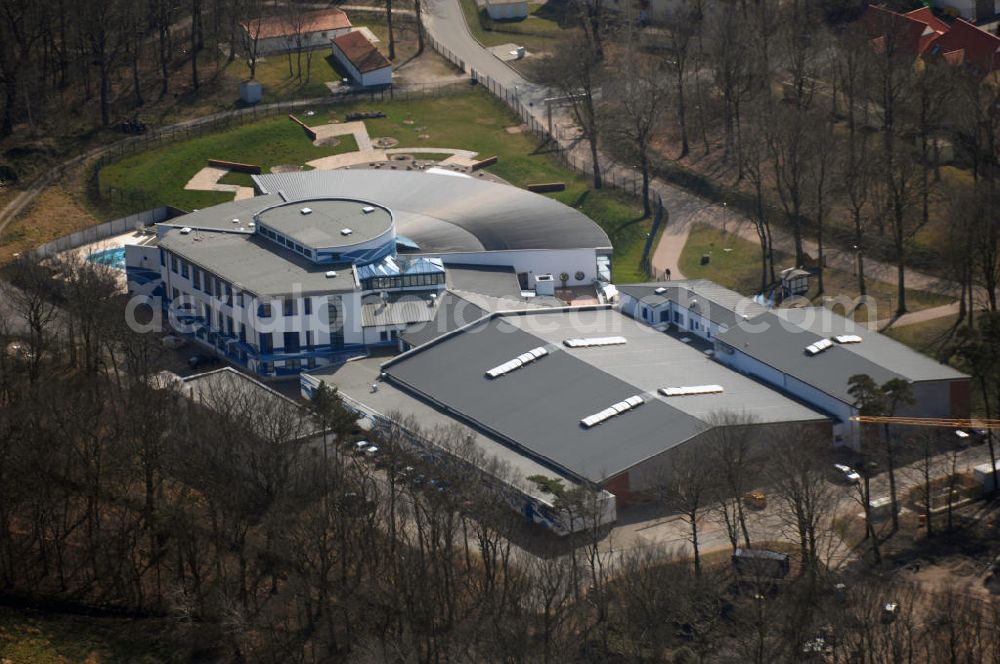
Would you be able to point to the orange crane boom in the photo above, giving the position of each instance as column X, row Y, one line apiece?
column 927, row 422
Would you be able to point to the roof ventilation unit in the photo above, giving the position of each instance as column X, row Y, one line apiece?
column 847, row 339
column 368, row 209
column 611, row 411
column 306, row 210
column 594, row 341
column 236, row 220
column 331, row 274
column 690, row 390
column 346, row 231
column 517, row 362
column 252, row 224
column 818, row 347
column 186, row 230
column 660, row 290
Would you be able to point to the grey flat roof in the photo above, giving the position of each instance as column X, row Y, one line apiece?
column 876, row 347
column 322, row 227
column 399, row 309
column 538, row 407
column 650, row 360
column 220, row 217
column 256, row 264
column 452, row 312
column 719, row 304
column 443, row 214
column 354, row 379
column 781, row 345
column 257, row 407
column 491, row 280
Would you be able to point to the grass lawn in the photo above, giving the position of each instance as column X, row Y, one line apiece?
column 157, row 177
column 735, row 263
column 926, row 337
column 539, row 32
column 30, row 637
column 471, row 121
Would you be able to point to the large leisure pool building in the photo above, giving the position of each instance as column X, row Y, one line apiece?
column 323, row 265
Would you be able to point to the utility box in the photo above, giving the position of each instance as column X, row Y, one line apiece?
column 251, row 92
column 986, row 477
column 545, row 284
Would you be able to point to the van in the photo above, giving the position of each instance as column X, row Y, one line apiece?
column 761, row 563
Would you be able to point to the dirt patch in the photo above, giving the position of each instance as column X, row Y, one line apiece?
column 287, row 168
column 518, row 129
column 53, row 215
column 384, row 142
column 329, row 141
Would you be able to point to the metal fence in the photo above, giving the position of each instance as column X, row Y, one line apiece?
column 108, row 229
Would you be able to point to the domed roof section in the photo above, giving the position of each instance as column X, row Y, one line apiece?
column 447, row 214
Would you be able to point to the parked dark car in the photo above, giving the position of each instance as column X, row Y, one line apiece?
column 201, row 361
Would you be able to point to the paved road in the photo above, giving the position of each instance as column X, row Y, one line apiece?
column 445, row 21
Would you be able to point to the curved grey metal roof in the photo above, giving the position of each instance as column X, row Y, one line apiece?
column 446, row 214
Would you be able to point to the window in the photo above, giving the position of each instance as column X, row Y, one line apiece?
column 184, row 268
column 243, row 332
column 228, row 291
column 307, row 306
column 239, row 298
column 208, row 283
column 293, row 364
column 218, row 288
column 266, row 344
column 645, row 313
column 289, row 307
column 292, row 342
column 264, row 310
column 196, row 278
column 383, row 335
column 229, row 325
column 173, row 264
column 177, row 293
column 309, row 340
column 265, row 368
column 163, row 258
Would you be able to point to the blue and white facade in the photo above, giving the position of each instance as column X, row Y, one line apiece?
column 324, row 265
column 268, row 299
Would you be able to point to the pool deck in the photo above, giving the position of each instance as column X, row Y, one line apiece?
column 114, row 242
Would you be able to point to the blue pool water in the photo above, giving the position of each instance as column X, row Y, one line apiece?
column 114, row 258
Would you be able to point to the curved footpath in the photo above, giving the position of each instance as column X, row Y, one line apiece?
column 445, row 21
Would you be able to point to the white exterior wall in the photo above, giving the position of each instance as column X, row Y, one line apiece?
column 377, row 77
column 540, row 261
column 381, row 76
column 138, row 257
column 310, row 40
column 507, row 11
column 844, row 432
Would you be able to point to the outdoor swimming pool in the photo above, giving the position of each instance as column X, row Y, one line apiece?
column 114, row 257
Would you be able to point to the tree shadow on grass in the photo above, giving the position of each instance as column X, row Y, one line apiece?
column 548, row 146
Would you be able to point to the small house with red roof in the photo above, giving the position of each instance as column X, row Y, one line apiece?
column 920, row 33
column 362, row 60
column 296, row 31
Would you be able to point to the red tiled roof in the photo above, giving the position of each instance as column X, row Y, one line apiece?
column 323, row 20
column 906, row 33
column 975, row 46
column 361, row 52
column 925, row 15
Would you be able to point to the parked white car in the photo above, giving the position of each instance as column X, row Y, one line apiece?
column 847, row 474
